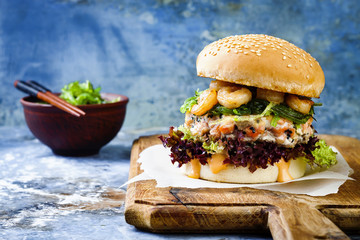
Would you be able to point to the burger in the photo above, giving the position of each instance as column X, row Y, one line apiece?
column 254, row 122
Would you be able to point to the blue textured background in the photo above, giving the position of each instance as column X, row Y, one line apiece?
column 147, row 50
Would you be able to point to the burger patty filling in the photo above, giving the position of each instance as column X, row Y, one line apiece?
column 248, row 127
column 285, row 133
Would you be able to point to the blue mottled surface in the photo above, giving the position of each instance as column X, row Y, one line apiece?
column 147, row 50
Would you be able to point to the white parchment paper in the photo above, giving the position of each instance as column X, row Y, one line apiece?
column 156, row 164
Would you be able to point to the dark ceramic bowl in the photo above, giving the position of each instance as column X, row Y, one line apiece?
column 68, row 135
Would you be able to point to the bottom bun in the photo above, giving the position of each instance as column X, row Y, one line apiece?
column 234, row 174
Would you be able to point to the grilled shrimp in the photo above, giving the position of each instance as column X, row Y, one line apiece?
column 300, row 104
column 233, row 97
column 269, row 95
column 206, row 101
column 217, row 84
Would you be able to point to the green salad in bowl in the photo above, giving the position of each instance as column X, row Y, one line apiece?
column 78, row 93
column 70, row 135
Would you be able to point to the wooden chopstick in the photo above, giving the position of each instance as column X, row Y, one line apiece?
column 49, row 98
column 56, row 103
column 61, row 101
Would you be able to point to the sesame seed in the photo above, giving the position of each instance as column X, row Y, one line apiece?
column 307, row 76
column 255, row 43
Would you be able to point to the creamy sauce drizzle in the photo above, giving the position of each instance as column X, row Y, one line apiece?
column 216, row 163
column 195, row 166
column 284, row 175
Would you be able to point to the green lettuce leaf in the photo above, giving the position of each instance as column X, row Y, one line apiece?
column 81, row 93
column 286, row 112
column 209, row 146
column 254, row 107
column 187, row 133
column 218, row 110
column 274, row 120
column 324, row 155
column 212, row 147
column 188, row 103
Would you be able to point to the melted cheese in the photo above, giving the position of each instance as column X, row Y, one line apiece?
column 195, row 166
column 216, row 163
column 284, row 174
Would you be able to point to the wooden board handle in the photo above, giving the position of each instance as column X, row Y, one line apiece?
column 297, row 220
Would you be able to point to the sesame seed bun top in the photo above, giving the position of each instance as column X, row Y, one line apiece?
column 262, row 61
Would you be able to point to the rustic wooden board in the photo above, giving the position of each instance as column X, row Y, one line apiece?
column 287, row 216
